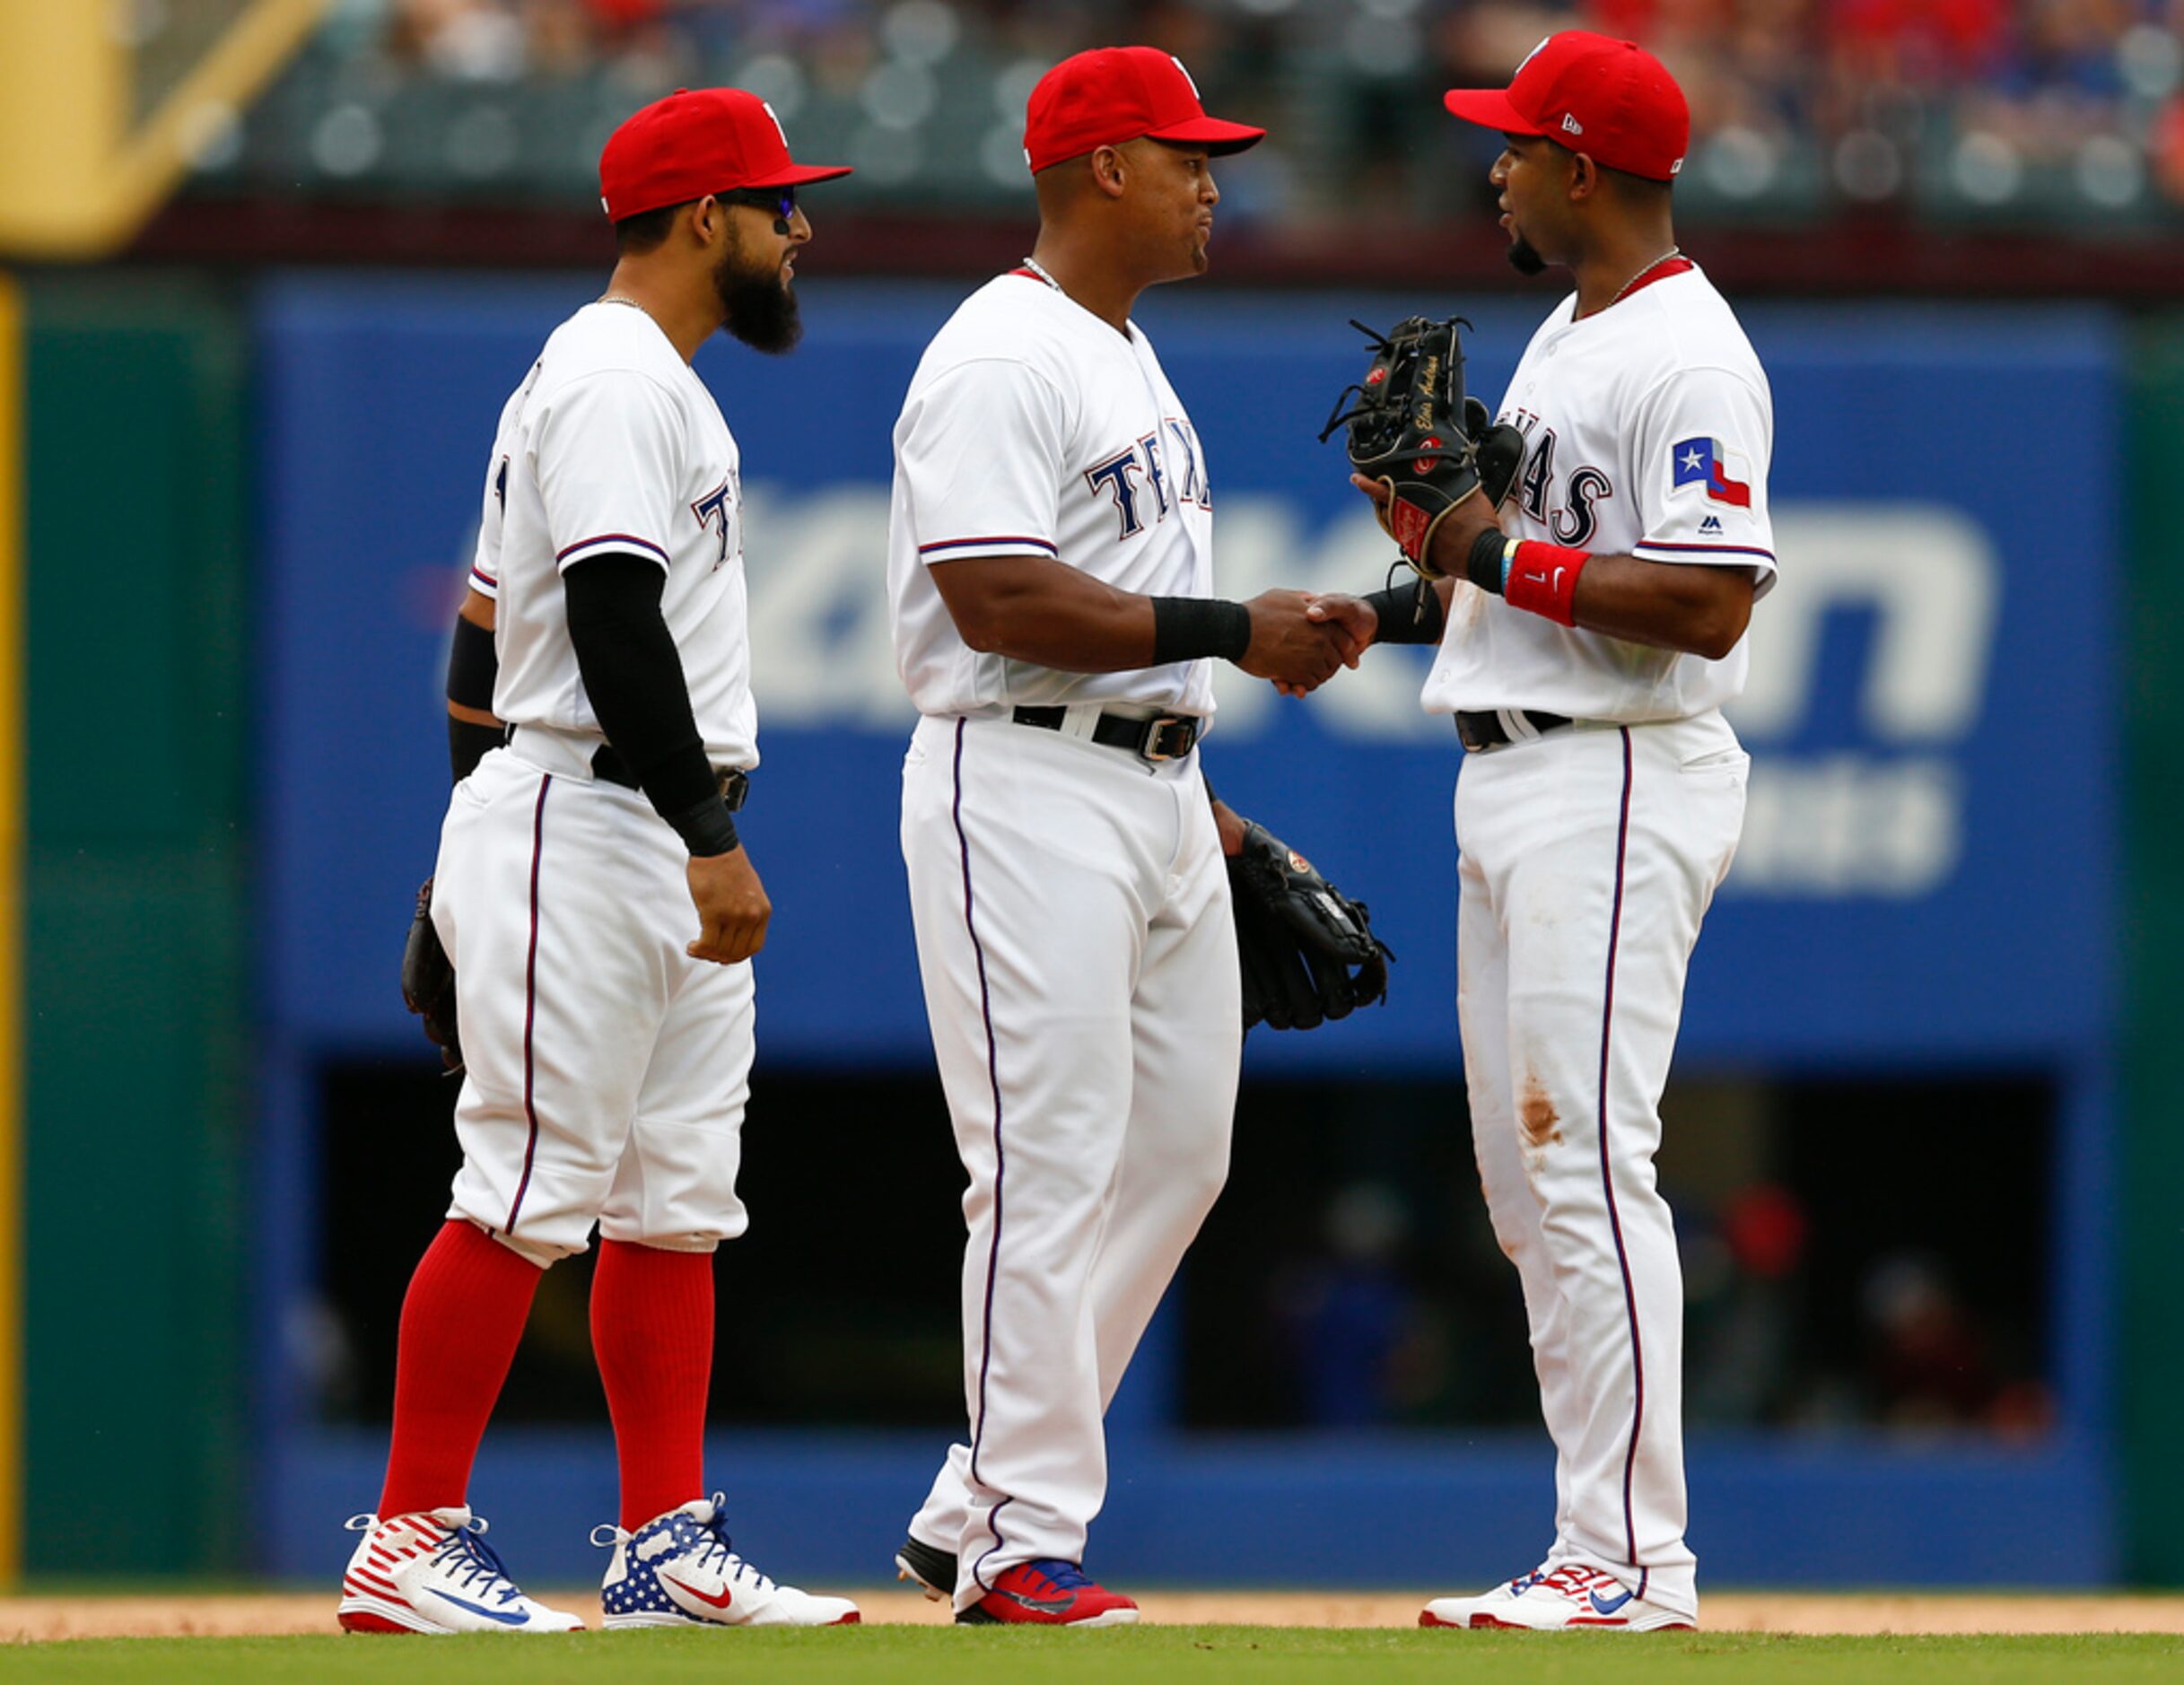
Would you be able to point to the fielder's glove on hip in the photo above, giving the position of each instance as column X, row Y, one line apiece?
column 1307, row 951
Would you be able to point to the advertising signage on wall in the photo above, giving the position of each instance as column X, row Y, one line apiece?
column 1927, row 862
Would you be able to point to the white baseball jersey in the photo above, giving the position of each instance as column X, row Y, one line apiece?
column 613, row 443
column 1648, row 428
column 1032, row 427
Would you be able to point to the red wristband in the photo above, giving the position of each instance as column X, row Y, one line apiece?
column 1544, row 579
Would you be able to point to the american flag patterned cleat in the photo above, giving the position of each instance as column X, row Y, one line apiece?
column 433, row 1572
column 680, row 1569
column 1573, row 1597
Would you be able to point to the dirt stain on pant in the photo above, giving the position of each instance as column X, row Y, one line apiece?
column 1535, row 1115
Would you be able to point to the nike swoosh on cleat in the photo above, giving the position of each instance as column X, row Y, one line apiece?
column 1607, row 1605
column 519, row 1619
column 726, row 1596
column 1043, row 1605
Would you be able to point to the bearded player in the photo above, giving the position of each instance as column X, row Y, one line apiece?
column 1587, row 641
column 596, row 901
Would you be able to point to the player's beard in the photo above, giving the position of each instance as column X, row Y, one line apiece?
column 1525, row 257
column 758, row 306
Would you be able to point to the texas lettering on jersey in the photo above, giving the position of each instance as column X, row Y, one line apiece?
column 1572, row 519
column 1144, row 466
column 719, row 504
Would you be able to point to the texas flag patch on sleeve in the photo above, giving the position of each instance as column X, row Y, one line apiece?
column 1702, row 462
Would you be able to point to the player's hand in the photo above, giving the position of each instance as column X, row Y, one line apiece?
column 1451, row 546
column 1356, row 622
column 1297, row 653
column 732, row 907
column 1229, row 825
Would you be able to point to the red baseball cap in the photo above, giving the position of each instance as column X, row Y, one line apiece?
column 1113, row 95
column 1609, row 99
column 692, row 143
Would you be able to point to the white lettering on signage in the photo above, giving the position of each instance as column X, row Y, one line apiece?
column 1881, row 818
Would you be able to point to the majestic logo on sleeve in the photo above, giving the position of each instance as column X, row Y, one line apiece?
column 718, row 505
column 1704, row 462
column 1174, row 476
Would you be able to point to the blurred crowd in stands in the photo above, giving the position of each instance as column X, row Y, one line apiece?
column 2039, row 112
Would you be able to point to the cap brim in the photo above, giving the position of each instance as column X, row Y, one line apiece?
column 800, row 175
column 1490, row 108
column 1217, row 136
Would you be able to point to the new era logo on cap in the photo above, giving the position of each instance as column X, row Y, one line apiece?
column 1613, row 95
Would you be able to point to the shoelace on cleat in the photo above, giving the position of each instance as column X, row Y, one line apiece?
column 1574, row 1579
column 718, row 1551
column 465, row 1555
column 1063, row 1577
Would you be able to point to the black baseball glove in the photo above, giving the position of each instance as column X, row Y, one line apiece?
column 1307, row 951
column 1414, row 431
column 428, row 981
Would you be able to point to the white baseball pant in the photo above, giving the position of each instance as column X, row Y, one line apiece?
column 1079, row 963
column 605, row 1069
column 1589, row 857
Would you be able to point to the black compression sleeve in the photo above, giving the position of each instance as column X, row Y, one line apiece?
column 634, row 678
column 474, row 664
column 1408, row 614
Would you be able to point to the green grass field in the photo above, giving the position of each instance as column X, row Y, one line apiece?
column 947, row 1656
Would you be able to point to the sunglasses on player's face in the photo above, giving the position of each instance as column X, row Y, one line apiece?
column 780, row 201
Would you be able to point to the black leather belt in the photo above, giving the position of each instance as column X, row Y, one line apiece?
column 607, row 764
column 1484, row 729
column 1166, row 737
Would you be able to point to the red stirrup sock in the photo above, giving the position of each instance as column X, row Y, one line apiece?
column 651, row 1334
column 460, row 1323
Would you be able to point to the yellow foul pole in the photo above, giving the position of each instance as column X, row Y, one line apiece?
column 75, row 179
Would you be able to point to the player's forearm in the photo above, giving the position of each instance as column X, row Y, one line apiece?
column 473, row 670
column 1033, row 609
column 1694, row 610
column 633, row 676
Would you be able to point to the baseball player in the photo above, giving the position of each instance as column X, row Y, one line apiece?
column 597, row 903
column 1587, row 642
column 1050, row 582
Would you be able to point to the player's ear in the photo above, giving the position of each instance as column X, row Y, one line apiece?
column 708, row 219
column 1583, row 176
column 1110, row 170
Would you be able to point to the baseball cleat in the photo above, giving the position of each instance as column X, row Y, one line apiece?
column 680, row 1569
column 1557, row 1600
column 433, row 1572
column 930, row 1566
column 1048, row 1593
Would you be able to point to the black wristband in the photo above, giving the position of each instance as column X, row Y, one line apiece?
column 1407, row 614
column 1185, row 628
column 1484, row 566
column 468, row 743
column 706, row 829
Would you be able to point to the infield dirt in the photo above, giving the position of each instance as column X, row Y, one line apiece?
column 37, row 1619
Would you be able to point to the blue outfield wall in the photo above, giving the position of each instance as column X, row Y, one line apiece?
column 1929, row 713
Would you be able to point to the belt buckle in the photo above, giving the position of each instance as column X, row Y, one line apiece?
column 734, row 784
column 1150, row 745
